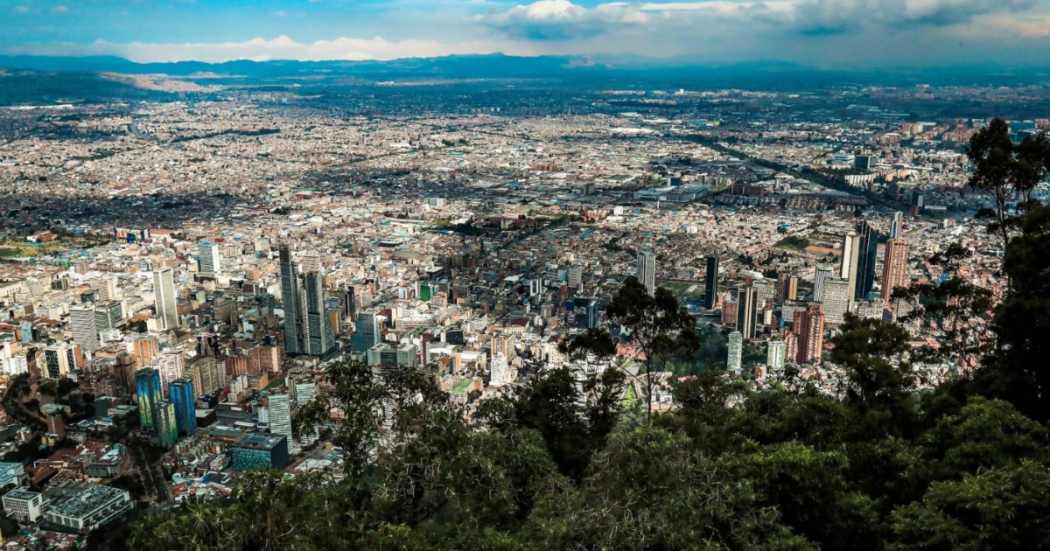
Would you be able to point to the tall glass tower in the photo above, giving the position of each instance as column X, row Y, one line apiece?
column 184, row 398
column 148, row 383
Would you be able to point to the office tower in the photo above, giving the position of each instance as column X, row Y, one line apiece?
column 895, row 267
column 144, row 347
column 711, row 282
column 775, row 354
column 592, row 313
column 108, row 315
column 164, row 296
column 280, row 408
column 896, row 225
column 575, row 277
column 208, row 259
column 809, row 327
column 747, row 312
column 305, row 392
column 647, row 271
column 792, row 293
column 499, row 370
column 107, row 289
column 836, row 300
column 782, row 286
column 869, row 244
column 185, row 400
column 729, row 314
column 307, row 327
column 366, row 333
column 85, row 332
column 290, row 301
column 319, row 335
column 850, row 262
column 61, row 360
column 171, row 365
column 736, row 351
column 147, row 382
column 167, row 424
column 823, row 273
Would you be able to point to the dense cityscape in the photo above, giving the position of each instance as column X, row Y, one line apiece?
column 181, row 271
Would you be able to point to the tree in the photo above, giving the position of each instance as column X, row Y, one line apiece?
column 1003, row 508
column 1018, row 369
column 657, row 325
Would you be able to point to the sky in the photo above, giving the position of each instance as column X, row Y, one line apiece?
column 818, row 33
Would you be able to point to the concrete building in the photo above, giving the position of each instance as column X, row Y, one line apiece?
column 24, row 506
column 809, row 327
column 647, row 271
column 736, row 351
column 209, row 259
column 775, row 352
column 164, row 298
column 260, row 450
column 85, row 331
column 895, row 267
column 86, row 506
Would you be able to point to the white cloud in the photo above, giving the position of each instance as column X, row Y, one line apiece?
column 21, row 9
column 280, row 13
column 561, row 19
column 59, row 9
column 282, row 47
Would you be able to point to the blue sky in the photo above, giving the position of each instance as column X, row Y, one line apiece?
column 814, row 32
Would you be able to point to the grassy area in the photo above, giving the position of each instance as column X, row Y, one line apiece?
column 792, row 243
column 20, row 250
column 630, row 399
column 683, row 288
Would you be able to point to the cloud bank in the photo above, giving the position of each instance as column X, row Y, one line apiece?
column 832, row 32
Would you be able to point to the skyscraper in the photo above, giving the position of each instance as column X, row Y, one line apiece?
column 836, row 300
column 775, row 354
column 896, row 225
column 736, row 351
column 280, row 408
column 366, row 333
column 823, row 273
column 185, row 400
column 208, row 259
column 747, row 313
column 307, row 326
column 895, row 267
column 851, row 245
column 85, row 331
column 171, row 365
column 164, row 297
column 647, row 271
column 108, row 315
column 711, row 282
column 61, row 359
column 166, row 424
column 792, row 293
column 869, row 244
column 290, row 301
column 147, row 381
column 809, row 326
column 592, row 313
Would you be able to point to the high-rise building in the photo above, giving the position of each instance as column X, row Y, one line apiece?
column 280, row 408
column 366, row 333
column 164, row 297
column 307, row 327
column 711, row 282
column 836, row 300
column 147, row 382
column 775, row 354
column 208, row 259
column 61, row 360
column 851, row 246
column 736, row 351
column 647, row 271
column 868, row 256
column 185, row 400
column 499, row 370
column 575, row 275
column 305, row 392
column 747, row 312
column 792, row 293
column 897, row 225
column 167, row 426
column 171, row 365
column 730, row 311
column 85, row 332
column 822, row 275
column 108, row 315
column 895, row 267
column 809, row 327
column 592, row 313
column 290, row 301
